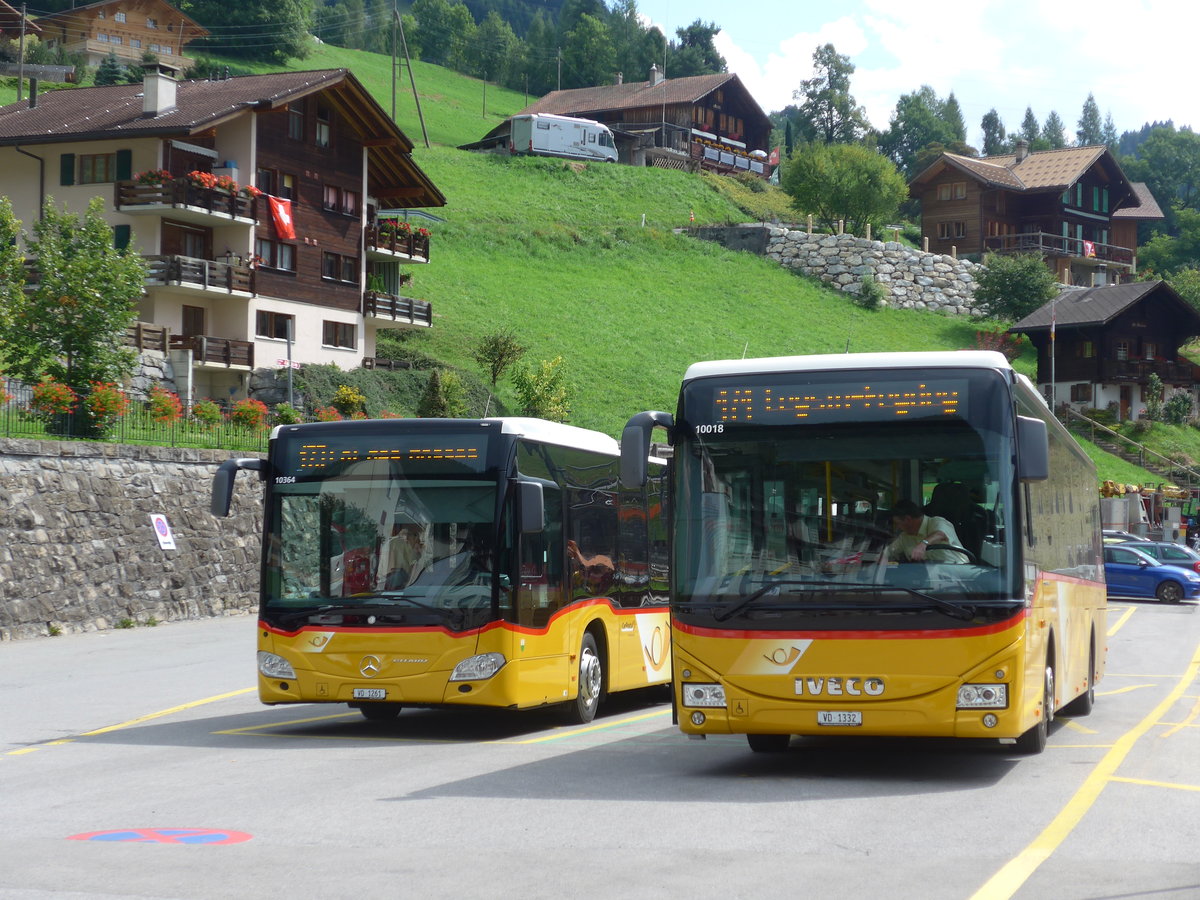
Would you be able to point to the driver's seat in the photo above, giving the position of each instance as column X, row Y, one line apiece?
column 952, row 500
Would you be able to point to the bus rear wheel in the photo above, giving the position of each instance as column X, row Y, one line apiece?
column 379, row 712
column 768, row 743
column 1033, row 741
column 583, row 708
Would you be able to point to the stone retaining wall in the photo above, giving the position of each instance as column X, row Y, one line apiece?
column 910, row 278
column 78, row 551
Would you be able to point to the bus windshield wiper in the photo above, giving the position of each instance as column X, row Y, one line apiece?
column 954, row 610
column 358, row 608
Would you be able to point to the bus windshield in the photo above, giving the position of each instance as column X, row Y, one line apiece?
column 792, row 508
column 362, row 547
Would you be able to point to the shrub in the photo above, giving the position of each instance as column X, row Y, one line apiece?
column 1011, row 287
column 327, row 414
column 1002, row 342
column 1178, row 408
column 543, row 391
column 286, row 414
column 348, row 400
column 164, row 407
column 207, row 413
column 5, row 396
column 871, row 295
column 104, row 404
column 52, row 398
column 249, row 413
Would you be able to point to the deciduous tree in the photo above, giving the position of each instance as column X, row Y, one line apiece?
column 993, row 133
column 1011, row 287
column 827, row 110
column 843, row 182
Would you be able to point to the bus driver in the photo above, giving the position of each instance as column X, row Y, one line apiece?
column 917, row 532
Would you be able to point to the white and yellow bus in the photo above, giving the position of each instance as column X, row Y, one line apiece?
column 453, row 562
column 796, row 611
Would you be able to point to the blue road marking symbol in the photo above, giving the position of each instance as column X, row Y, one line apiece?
column 165, row 836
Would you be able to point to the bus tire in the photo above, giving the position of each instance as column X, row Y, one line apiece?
column 1082, row 705
column 583, row 708
column 768, row 743
column 1033, row 741
column 379, row 712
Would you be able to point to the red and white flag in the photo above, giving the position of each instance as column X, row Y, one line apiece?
column 1089, row 249
column 281, row 214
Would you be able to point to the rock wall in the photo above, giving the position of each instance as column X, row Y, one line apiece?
column 78, row 550
column 911, row 279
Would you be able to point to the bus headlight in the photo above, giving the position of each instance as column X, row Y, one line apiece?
column 983, row 696
column 274, row 666
column 703, row 695
column 476, row 668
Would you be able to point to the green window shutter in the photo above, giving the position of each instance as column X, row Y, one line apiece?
column 124, row 165
column 66, row 169
column 121, row 236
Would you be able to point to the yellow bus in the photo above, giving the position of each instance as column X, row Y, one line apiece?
column 453, row 562
column 800, row 601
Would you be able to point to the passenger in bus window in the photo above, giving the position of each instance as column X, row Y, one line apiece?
column 917, row 532
column 406, row 555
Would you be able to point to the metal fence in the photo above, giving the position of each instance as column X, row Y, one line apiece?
column 136, row 426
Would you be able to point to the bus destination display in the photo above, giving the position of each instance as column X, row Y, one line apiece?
column 762, row 404
column 439, row 453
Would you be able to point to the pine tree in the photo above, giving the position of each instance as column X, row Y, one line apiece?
column 110, row 71
column 1089, row 132
column 1054, row 132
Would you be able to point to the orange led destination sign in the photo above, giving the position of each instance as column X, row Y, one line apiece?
column 418, row 452
column 775, row 405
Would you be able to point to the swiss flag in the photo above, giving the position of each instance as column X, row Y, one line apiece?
column 281, row 213
column 1089, row 248
column 773, row 159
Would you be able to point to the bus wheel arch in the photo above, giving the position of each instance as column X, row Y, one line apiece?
column 593, row 676
column 1082, row 705
column 1033, row 741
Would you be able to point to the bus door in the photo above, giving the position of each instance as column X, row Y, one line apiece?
column 541, row 655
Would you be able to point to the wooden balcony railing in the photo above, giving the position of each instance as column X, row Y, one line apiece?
column 414, row 246
column 1056, row 245
column 207, row 274
column 376, row 305
column 216, row 351
column 378, row 362
column 1138, row 371
column 182, row 192
column 144, row 336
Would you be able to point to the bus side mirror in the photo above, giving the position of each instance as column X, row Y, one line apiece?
column 222, row 489
column 533, row 508
column 1033, row 449
column 635, row 446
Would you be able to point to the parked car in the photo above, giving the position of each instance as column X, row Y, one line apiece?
column 1113, row 536
column 1132, row 573
column 1168, row 553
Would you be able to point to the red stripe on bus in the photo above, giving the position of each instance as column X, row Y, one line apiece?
column 863, row 634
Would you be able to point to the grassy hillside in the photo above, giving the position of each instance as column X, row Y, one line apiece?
column 583, row 262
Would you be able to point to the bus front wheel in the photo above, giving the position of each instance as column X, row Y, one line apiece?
column 1034, row 740
column 768, row 743
column 379, row 712
column 583, row 708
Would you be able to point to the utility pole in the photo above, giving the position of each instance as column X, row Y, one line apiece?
column 21, row 59
column 558, row 56
column 398, row 22
column 485, row 93
column 394, row 59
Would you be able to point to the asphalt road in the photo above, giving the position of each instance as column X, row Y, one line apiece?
column 139, row 763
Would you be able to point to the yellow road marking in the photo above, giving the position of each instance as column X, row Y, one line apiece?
column 1124, row 690
column 166, row 712
column 252, row 728
column 1017, row 871
column 21, row 752
column 575, row 732
column 1075, row 726
column 1188, row 722
column 1117, row 625
column 1165, row 784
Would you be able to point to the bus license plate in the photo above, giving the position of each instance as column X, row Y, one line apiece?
column 370, row 694
column 839, row 717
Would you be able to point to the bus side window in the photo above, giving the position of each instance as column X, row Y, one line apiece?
column 541, row 589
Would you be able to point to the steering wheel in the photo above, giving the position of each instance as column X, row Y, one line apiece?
column 963, row 550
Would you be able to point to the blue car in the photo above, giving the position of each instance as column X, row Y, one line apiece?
column 1132, row 573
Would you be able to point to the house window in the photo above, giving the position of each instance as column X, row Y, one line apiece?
column 337, row 267
column 287, row 186
column 350, row 203
column 296, row 120
column 945, row 230
column 135, row 43
column 333, row 200
column 324, row 120
column 276, row 254
column 1079, row 194
column 102, row 38
column 265, row 179
column 116, row 39
column 1085, row 350
column 1104, row 200
column 193, row 321
column 338, row 334
column 120, row 17
column 960, row 229
column 1081, row 393
column 1096, row 197
column 273, row 325
column 97, row 168
column 1149, row 350
column 151, row 23
column 1122, row 348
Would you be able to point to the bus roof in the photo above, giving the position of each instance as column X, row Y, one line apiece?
column 934, row 359
column 538, row 430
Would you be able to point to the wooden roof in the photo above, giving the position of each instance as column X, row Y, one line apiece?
column 1100, row 305
column 10, row 21
column 115, row 112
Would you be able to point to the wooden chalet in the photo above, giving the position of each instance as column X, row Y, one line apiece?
column 128, row 29
column 11, row 25
column 257, row 203
column 1097, row 347
column 1074, row 207
column 706, row 122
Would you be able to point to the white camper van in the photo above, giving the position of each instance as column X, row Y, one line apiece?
column 542, row 134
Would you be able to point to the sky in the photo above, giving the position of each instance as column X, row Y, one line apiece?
column 1136, row 57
